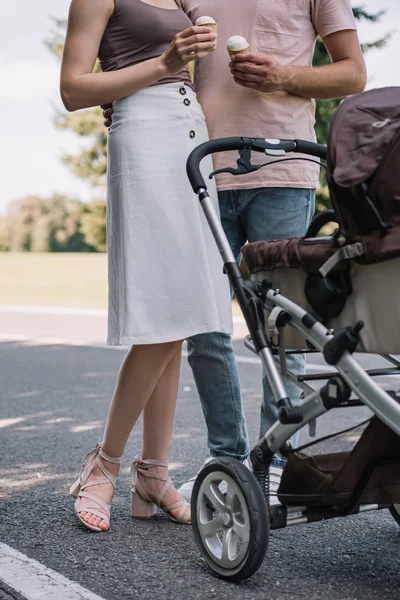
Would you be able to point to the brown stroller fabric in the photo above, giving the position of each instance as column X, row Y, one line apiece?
column 263, row 256
column 369, row 474
column 294, row 253
column 309, row 254
column 362, row 169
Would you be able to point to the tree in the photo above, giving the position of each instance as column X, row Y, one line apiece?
column 90, row 163
column 326, row 108
column 93, row 224
column 5, row 234
column 44, row 225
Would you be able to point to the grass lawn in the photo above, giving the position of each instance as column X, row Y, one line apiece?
column 76, row 280
column 54, row 279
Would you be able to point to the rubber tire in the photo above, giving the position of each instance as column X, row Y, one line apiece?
column 258, row 514
column 395, row 514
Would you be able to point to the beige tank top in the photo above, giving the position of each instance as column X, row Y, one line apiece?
column 138, row 31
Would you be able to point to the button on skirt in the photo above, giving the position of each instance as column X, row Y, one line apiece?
column 165, row 272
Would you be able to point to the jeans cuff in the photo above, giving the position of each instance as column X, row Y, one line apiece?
column 240, row 457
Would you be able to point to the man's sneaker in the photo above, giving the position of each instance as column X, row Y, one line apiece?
column 187, row 488
column 275, row 474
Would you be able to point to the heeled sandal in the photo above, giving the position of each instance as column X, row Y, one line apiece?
column 96, row 506
column 142, row 505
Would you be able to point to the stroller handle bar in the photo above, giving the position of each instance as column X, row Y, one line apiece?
column 271, row 147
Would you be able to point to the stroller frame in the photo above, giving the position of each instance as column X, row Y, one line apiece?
column 215, row 535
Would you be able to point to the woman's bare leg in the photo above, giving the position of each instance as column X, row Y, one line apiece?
column 158, row 418
column 158, row 415
column 137, row 380
column 139, row 375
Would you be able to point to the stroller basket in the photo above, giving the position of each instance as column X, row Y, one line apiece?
column 369, row 474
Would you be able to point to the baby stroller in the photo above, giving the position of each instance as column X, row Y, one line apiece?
column 336, row 295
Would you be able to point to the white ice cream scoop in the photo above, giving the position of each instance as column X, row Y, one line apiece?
column 207, row 22
column 237, row 45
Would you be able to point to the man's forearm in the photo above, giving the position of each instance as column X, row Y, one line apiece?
column 336, row 80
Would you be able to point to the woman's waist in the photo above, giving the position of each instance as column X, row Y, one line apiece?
column 158, row 100
column 182, row 78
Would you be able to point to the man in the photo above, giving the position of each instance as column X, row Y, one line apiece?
column 267, row 93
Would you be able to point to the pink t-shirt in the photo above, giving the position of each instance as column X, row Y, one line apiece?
column 285, row 30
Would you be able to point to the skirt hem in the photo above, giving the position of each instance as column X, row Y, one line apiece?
column 170, row 337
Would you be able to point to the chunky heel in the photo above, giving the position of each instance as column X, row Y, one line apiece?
column 141, row 509
column 144, row 506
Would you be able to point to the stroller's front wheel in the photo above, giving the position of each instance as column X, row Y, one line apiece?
column 395, row 512
column 230, row 519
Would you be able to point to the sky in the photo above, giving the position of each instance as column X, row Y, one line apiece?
column 30, row 145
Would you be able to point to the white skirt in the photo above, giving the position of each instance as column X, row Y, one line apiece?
column 165, row 272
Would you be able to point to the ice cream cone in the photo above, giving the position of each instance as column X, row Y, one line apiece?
column 207, row 22
column 237, row 45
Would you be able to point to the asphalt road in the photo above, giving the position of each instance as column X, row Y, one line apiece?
column 53, row 404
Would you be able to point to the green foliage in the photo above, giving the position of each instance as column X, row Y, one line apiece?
column 46, row 225
column 322, row 201
column 5, row 234
column 56, row 43
column 93, row 224
column 360, row 13
column 90, row 163
column 56, row 224
column 326, row 108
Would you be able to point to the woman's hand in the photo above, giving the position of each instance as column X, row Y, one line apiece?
column 192, row 44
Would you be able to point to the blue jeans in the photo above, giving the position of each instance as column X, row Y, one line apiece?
column 246, row 215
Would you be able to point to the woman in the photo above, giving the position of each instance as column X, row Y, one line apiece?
column 165, row 276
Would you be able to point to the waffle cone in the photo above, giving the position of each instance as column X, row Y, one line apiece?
column 237, row 52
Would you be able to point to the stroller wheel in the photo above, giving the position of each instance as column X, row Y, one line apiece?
column 230, row 519
column 395, row 512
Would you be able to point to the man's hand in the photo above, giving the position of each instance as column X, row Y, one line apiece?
column 107, row 114
column 258, row 72
column 344, row 76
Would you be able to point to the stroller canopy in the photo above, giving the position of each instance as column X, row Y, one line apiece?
column 364, row 162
